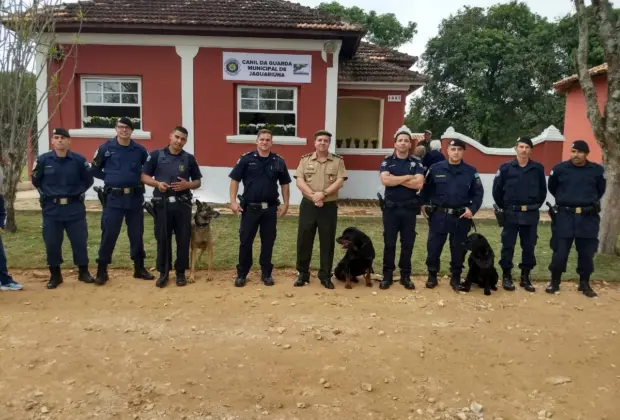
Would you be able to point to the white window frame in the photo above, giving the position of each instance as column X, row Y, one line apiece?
column 108, row 132
column 277, row 139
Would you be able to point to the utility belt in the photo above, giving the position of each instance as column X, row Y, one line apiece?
column 121, row 191
column 62, row 201
column 409, row 204
column 595, row 209
column 262, row 205
column 523, row 207
column 453, row 211
column 181, row 198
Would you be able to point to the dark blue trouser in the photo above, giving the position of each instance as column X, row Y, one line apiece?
column 395, row 221
column 586, row 249
column 177, row 221
column 5, row 278
column 250, row 221
column 458, row 230
column 53, row 235
column 529, row 237
column 111, row 222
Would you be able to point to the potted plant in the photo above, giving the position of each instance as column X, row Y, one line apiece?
column 348, row 142
column 357, row 143
column 366, row 143
column 375, row 143
column 338, row 143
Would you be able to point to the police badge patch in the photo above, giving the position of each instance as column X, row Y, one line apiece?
column 181, row 168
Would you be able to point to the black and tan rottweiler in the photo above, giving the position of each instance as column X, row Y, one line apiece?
column 358, row 259
column 481, row 264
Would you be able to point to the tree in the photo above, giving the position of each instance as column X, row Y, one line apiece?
column 27, row 30
column 384, row 29
column 489, row 74
column 605, row 123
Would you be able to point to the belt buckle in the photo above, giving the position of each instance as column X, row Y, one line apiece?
column 264, row 205
column 577, row 210
column 63, row 201
column 172, row 199
column 523, row 208
column 450, row 211
column 126, row 190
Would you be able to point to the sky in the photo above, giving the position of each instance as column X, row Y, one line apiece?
column 428, row 14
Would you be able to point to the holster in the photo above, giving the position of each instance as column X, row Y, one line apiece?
column 499, row 215
column 241, row 202
column 381, row 201
column 149, row 208
column 553, row 210
column 101, row 195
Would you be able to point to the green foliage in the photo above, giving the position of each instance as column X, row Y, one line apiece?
column 490, row 73
column 383, row 29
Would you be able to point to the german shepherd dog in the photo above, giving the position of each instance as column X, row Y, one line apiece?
column 202, row 237
column 358, row 259
column 481, row 264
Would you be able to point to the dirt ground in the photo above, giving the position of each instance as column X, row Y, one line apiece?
column 128, row 350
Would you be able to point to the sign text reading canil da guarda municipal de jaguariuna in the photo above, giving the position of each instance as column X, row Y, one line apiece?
column 283, row 68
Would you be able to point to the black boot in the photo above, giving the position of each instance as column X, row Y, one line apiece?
column 455, row 282
column 84, row 275
column 181, row 279
column 267, row 280
column 102, row 274
column 55, row 277
column 431, row 282
column 139, row 272
column 327, row 283
column 554, row 285
column 387, row 281
column 162, row 281
column 240, row 281
column 406, row 282
column 584, row 286
column 507, row 283
column 302, row 279
column 525, row 280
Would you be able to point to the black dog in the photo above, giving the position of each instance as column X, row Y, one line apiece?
column 481, row 264
column 358, row 259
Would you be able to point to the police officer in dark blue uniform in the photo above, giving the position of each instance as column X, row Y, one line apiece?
column 578, row 186
column 260, row 171
column 62, row 178
column 173, row 173
column 453, row 191
column 519, row 190
column 118, row 162
column 403, row 176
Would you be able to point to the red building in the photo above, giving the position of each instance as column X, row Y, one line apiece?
column 576, row 123
column 223, row 70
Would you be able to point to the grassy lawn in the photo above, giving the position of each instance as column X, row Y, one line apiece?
column 25, row 249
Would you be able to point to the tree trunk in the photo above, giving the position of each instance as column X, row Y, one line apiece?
column 610, row 220
column 13, row 169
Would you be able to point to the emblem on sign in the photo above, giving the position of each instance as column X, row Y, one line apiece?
column 232, row 66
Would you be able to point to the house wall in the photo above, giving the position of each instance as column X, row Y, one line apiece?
column 359, row 118
column 160, row 70
column 576, row 123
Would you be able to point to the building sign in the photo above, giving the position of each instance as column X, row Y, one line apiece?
column 394, row 98
column 256, row 67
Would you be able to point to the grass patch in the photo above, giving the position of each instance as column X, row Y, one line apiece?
column 25, row 248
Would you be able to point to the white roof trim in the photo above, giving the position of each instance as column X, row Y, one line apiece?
column 549, row 134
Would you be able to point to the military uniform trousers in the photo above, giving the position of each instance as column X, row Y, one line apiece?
column 178, row 220
column 442, row 225
column 581, row 229
column 398, row 220
column 310, row 219
column 111, row 223
column 252, row 219
column 53, row 235
column 528, row 235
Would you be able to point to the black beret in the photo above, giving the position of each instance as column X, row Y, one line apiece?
column 526, row 140
column 126, row 121
column 61, row 132
column 581, row 145
column 458, row 142
column 322, row 133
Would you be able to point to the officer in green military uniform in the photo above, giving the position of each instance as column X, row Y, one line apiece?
column 319, row 177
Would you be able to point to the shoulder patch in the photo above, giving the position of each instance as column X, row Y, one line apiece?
column 477, row 175
column 384, row 163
